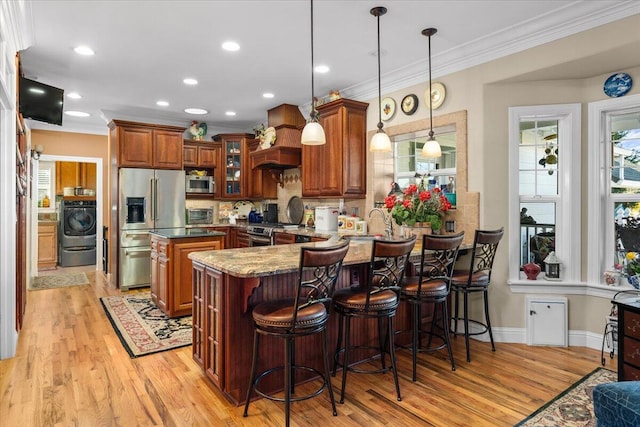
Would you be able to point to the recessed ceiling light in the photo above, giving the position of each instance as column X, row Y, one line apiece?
column 195, row 111
column 74, row 95
column 162, row 103
column 321, row 69
column 230, row 113
column 36, row 90
column 77, row 113
column 230, row 46
column 267, row 95
column 190, row 81
column 84, row 50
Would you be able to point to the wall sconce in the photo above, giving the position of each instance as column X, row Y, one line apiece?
column 35, row 152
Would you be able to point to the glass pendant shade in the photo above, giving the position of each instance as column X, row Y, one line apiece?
column 313, row 134
column 431, row 149
column 380, row 142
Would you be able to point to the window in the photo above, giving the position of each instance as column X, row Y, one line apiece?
column 544, row 187
column 46, row 185
column 614, row 184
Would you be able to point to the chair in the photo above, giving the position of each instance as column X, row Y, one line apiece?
column 377, row 299
column 476, row 279
column 432, row 285
column 306, row 314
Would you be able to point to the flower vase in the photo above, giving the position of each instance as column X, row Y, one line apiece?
column 407, row 231
column 634, row 281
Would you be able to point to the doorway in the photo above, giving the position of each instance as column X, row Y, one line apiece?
column 94, row 176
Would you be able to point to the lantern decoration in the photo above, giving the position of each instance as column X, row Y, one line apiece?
column 552, row 267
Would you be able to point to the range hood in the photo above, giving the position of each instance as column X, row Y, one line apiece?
column 286, row 152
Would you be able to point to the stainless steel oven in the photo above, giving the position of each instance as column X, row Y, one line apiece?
column 260, row 234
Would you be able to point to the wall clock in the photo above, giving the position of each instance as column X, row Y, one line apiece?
column 409, row 104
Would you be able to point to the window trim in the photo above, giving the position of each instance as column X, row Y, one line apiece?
column 596, row 182
column 569, row 209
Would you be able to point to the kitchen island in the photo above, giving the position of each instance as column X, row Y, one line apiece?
column 171, row 288
column 228, row 283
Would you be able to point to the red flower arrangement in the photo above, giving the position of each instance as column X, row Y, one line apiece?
column 416, row 204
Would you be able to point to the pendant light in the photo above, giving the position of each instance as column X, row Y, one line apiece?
column 380, row 140
column 431, row 148
column 313, row 134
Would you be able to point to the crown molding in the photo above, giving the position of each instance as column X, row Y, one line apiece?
column 574, row 18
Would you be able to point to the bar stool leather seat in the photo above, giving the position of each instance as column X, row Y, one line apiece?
column 292, row 318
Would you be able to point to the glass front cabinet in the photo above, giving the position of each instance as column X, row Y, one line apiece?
column 235, row 163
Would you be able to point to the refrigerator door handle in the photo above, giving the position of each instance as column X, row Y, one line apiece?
column 154, row 195
column 134, row 252
column 155, row 200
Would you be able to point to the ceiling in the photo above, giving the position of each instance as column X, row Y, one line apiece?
column 143, row 51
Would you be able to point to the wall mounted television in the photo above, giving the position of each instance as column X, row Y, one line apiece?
column 39, row 101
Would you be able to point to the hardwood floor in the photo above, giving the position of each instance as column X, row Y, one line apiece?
column 70, row 369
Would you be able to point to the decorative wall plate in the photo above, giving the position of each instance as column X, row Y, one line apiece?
column 617, row 85
column 438, row 93
column 388, row 108
column 409, row 104
column 268, row 138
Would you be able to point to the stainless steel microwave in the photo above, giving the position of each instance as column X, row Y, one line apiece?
column 199, row 216
column 200, row 184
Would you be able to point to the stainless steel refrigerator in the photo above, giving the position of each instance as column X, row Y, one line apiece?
column 149, row 199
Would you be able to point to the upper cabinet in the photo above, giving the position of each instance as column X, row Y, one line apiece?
column 142, row 145
column 339, row 167
column 74, row 174
column 234, row 170
column 198, row 154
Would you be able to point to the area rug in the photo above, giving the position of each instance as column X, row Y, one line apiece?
column 58, row 281
column 574, row 406
column 142, row 328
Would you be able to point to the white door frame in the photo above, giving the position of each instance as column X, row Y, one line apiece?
column 99, row 208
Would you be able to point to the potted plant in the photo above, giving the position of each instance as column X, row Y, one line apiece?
column 417, row 206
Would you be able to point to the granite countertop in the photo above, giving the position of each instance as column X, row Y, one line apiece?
column 180, row 233
column 266, row 260
column 47, row 222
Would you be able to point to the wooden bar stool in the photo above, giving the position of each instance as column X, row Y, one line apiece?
column 476, row 279
column 432, row 285
column 304, row 315
column 377, row 299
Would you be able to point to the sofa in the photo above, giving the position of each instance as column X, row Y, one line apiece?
column 617, row 404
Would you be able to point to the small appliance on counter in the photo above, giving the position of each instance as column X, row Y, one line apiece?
column 326, row 218
column 199, row 216
column 270, row 213
column 255, row 217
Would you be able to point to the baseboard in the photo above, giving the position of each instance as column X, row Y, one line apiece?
column 519, row 336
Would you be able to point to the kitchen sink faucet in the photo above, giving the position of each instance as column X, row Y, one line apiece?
column 388, row 223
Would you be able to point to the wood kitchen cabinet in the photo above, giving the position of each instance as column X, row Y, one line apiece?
column 143, row 145
column 75, row 174
column 171, row 280
column 234, row 165
column 629, row 341
column 208, row 323
column 198, row 154
column 339, row 167
column 47, row 245
column 283, row 239
column 241, row 238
